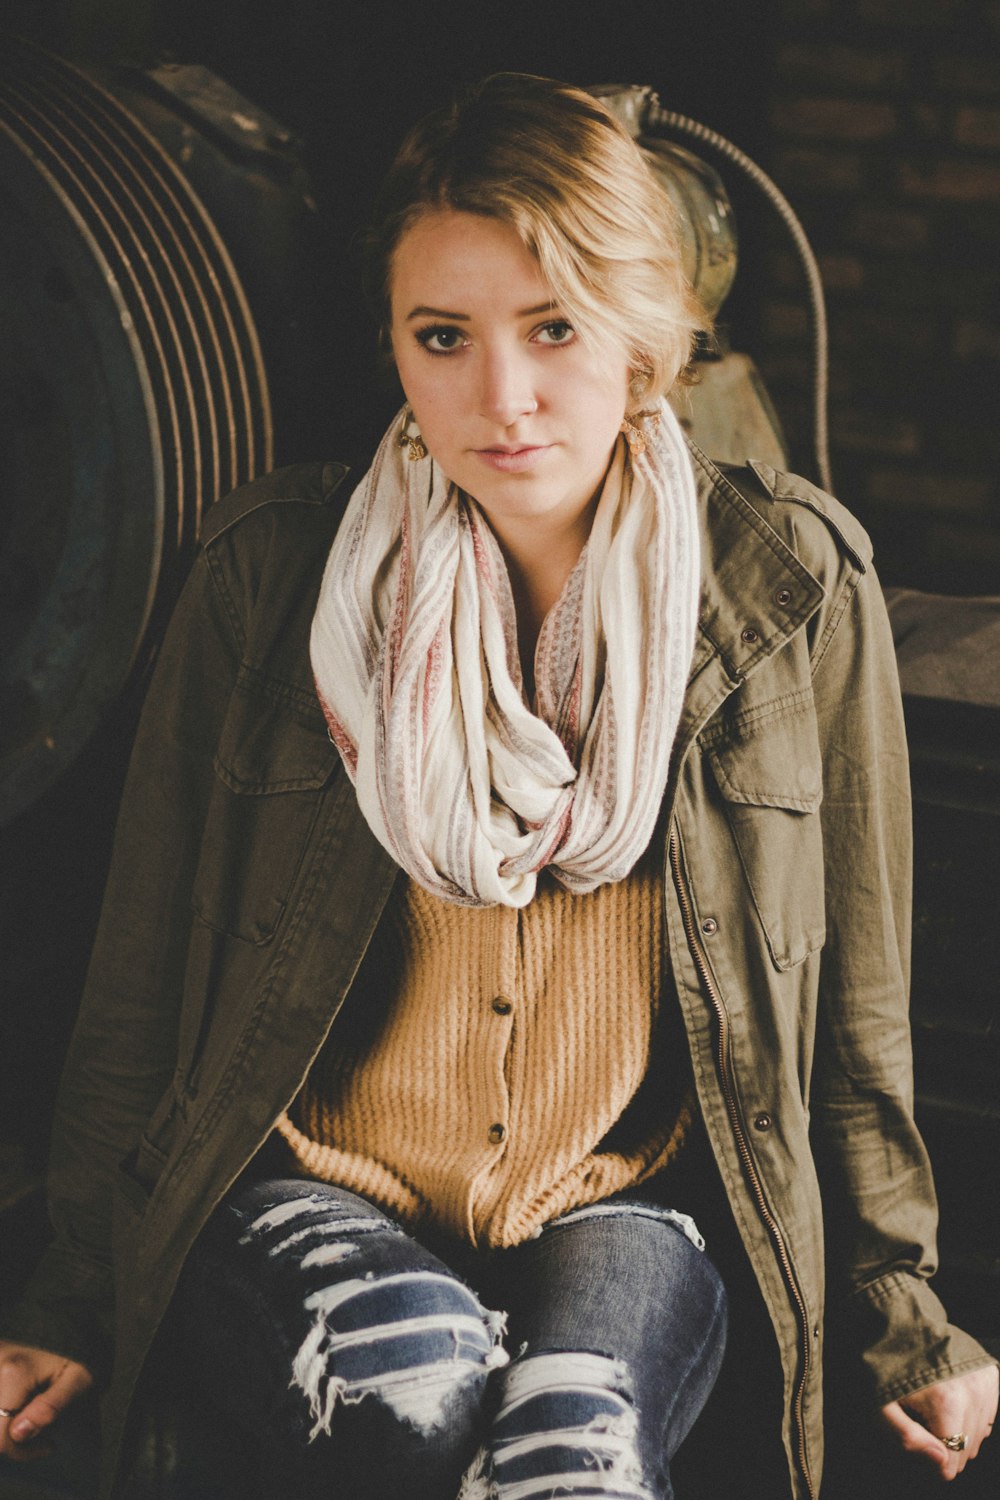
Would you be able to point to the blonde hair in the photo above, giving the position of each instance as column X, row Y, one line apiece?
column 552, row 162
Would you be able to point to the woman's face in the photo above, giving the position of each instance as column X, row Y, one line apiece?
column 508, row 398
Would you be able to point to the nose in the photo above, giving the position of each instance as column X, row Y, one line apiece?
column 507, row 389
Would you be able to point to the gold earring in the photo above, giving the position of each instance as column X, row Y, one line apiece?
column 412, row 440
column 634, row 438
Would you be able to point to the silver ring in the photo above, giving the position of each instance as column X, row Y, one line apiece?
column 7, row 1412
column 957, row 1442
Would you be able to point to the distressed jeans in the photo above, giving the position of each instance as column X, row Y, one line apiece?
column 356, row 1363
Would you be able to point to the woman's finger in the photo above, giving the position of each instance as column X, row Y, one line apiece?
column 18, row 1383
column 915, row 1438
column 35, row 1387
column 963, row 1404
column 70, row 1381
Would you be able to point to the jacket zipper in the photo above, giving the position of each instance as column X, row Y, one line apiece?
column 725, row 1069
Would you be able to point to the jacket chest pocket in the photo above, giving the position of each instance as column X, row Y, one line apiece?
column 769, row 772
column 273, row 761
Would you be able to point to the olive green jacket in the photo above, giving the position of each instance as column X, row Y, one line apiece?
column 245, row 887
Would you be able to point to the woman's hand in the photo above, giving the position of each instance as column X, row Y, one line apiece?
column 35, row 1387
column 965, row 1403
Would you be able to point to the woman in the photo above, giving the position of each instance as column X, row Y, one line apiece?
column 624, row 764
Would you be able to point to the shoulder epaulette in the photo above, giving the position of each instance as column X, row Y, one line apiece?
column 303, row 484
column 846, row 527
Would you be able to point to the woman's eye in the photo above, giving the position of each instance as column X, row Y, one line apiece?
column 558, row 332
column 441, row 340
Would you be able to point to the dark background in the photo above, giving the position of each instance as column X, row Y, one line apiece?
column 880, row 119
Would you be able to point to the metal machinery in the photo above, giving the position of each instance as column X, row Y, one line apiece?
column 727, row 411
column 134, row 390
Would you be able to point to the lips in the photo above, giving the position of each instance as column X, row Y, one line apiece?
column 512, row 460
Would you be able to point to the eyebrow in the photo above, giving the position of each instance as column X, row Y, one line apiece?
column 457, row 317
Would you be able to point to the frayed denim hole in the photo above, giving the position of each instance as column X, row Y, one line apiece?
column 534, row 1450
column 419, row 1358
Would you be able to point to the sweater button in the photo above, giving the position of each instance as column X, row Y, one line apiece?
column 502, row 1005
column 496, row 1134
column 762, row 1121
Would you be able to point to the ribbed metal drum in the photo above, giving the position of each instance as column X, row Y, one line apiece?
column 132, row 395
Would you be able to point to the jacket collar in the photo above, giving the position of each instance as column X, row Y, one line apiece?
column 755, row 592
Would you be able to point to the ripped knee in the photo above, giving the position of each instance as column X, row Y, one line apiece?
column 409, row 1340
column 567, row 1426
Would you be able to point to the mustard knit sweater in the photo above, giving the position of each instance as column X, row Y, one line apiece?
column 495, row 1067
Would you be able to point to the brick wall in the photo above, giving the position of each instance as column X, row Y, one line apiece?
column 883, row 128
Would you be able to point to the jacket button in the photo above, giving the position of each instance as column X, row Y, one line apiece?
column 783, row 597
column 762, row 1121
column 709, row 926
column 496, row 1134
column 749, row 635
column 502, row 1005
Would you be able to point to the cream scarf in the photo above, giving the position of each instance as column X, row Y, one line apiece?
column 414, row 650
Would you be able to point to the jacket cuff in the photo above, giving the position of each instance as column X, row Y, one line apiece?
column 65, row 1310
column 907, row 1341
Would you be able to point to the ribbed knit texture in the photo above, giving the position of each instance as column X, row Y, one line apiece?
column 583, row 1074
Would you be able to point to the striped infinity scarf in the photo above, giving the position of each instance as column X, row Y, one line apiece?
column 414, row 651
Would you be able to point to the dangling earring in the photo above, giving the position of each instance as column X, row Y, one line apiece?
column 412, row 440
column 634, row 438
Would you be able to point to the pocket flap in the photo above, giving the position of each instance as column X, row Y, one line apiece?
column 273, row 740
column 771, row 759
column 768, row 767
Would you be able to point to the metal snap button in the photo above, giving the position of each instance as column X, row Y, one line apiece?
column 783, row 597
column 502, row 1005
column 496, row 1134
column 762, row 1121
column 710, row 926
column 749, row 635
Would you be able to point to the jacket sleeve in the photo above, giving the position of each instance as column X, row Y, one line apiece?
column 881, row 1212
column 121, row 1059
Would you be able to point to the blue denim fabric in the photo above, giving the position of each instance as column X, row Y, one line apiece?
column 360, row 1363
